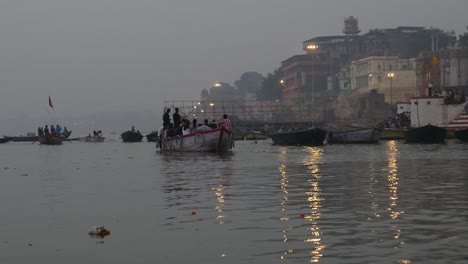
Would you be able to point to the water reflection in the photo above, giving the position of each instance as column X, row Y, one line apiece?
column 392, row 156
column 315, row 202
column 284, row 181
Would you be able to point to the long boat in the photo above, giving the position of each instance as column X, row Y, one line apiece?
column 152, row 137
column 30, row 137
column 370, row 135
column 426, row 134
column 50, row 140
column 131, row 136
column 213, row 140
column 304, row 137
column 5, row 139
column 92, row 139
column 462, row 135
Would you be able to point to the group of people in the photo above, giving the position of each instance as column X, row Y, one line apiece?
column 181, row 126
column 96, row 133
column 451, row 96
column 54, row 130
column 401, row 120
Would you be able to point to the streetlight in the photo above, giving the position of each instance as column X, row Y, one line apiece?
column 390, row 76
column 214, row 111
column 217, row 85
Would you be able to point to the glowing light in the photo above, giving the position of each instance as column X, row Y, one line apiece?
column 390, row 75
column 312, row 47
column 217, row 85
column 211, row 104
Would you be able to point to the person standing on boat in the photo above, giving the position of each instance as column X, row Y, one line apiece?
column 176, row 118
column 226, row 122
column 166, row 118
column 133, row 128
column 46, row 130
column 429, row 88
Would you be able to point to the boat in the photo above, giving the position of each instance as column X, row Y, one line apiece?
column 425, row 134
column 66, row 134
column 152, row 137
column 30, row 136
column 92, row 139
column 304, row 137
column 213, row 140
column 131, row 136
column 462, row 135
column 370, row 135
column 254, row 135
column 50, row 140
column 5, row 139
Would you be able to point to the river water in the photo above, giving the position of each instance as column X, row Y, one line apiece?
column 385, row 203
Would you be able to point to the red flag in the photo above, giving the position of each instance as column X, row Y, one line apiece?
column 50, row 103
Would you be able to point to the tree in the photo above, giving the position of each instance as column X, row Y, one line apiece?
column 249, row 82
column 224, row 91
column 271, row 88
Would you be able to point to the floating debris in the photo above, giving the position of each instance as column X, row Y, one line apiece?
column 194, row 213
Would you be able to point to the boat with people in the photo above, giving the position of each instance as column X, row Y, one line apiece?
column 462, row 134
column 304, row 137
column 131, row 135
column 152, row 137
column 427, row 134
column 369, row 135
column 212, row 140
column 5, row 139
column 50, row 140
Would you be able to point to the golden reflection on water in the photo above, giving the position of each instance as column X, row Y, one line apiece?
column 315, row 202
column 284, row 200
column 393, row 179
column 219, row 192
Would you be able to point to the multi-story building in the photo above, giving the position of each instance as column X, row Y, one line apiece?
column 394, row 77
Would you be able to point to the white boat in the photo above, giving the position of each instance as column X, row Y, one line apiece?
column 214, row 140
column 370, row 135
column 92, row 139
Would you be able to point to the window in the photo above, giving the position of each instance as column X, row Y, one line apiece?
column 379, row 67
column 362, row 82
column 390, row 68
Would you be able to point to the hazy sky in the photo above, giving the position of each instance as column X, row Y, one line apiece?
column 122, row 55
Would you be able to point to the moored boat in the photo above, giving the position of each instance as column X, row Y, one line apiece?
column 152, row 137
column 131, row 136
column 462, row 135
column 213, row 140
column 426, row 134
column 50, row 140
column 370, row 135
column 304, row 137
column 5, row 140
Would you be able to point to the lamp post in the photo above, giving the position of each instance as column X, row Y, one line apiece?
column 214, row 111
column 390, row 76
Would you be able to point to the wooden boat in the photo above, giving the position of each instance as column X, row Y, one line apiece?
column 462, row 135
column 370, row 135
column 30, row 136
column 213, row 140
column 66, row 134
column 131, row 136
column 5, row 139
column 304, row 137
column 152, row 137
column 92, row 139
column 50, row 140
column 425, row 134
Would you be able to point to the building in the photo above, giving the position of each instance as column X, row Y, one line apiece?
column 394, row 77
column 454, row 68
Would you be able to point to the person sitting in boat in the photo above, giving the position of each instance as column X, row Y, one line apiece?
column 138, row 132
column 186, row 127
column 99, row 133
column 226, row 122
column 52, row 130
column 65, row 129
column 204, row 127
column 213, row 124
column 194, row 125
